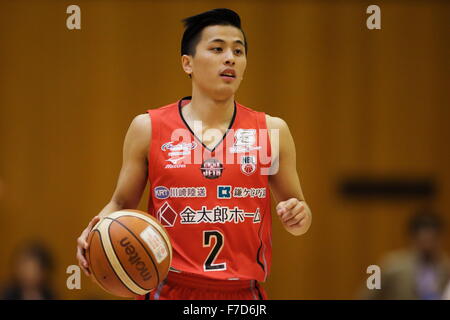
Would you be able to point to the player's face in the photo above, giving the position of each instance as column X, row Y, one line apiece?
column 219, row 62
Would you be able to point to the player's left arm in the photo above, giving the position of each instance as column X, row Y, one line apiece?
column 292, row 209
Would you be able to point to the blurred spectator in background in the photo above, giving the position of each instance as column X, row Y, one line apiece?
column 419, row 272
column 31, row 270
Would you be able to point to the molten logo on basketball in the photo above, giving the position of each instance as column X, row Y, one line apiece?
column 135, row 259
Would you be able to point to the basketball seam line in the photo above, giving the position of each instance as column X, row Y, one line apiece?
column 115, row 252
column 148, row 253
column 109, row 262
column 157, row 227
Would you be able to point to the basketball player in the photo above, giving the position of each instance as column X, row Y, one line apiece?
column 216, row 211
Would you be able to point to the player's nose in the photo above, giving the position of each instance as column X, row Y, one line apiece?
column 229, row 58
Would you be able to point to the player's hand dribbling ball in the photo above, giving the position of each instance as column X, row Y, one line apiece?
column 129, row 253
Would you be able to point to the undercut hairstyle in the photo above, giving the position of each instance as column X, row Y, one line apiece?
column 194, row 26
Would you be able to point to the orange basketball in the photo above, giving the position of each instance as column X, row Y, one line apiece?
column 129, row 253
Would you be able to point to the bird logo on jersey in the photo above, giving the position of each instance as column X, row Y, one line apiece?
column 211, row 168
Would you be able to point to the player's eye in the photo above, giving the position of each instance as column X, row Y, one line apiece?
column 217, row 49
column 238, row 51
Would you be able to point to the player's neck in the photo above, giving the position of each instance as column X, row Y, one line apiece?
column 211, row 112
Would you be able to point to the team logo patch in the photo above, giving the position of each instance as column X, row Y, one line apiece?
column 166, row 215
column 161, row 192
column 224, row 192
column 248, row 165
column 211, row 168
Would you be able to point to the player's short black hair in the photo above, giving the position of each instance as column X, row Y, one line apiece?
column 425, row 219
column 195, row 24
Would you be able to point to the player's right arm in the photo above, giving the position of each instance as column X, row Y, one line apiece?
column 131, row 182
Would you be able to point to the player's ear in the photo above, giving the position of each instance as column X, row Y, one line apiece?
column 186, row 63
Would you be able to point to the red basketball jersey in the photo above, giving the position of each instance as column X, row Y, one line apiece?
column 214, row 203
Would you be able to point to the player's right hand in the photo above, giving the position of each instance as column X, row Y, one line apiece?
column 82, row 246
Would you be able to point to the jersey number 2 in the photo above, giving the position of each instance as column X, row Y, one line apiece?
column 209, row 264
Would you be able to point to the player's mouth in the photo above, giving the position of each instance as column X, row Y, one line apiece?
column 228, row 74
